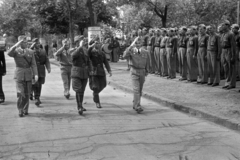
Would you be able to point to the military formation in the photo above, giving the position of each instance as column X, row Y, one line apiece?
column 202, row 54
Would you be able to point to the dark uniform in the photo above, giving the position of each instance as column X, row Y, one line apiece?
column 42, row 62
column 150, row 47
column 97, row 81
column 80, row 73
column 237, row 40
column 138, row 63
column 228, row 46
column 2, row 73
column 163, row 56
column 213, row 54
column 26, row 68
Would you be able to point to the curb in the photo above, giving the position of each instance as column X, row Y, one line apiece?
column 184, row 109
column 179, row 107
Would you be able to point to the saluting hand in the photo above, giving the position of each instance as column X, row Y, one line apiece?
column 36, row 78
column 49, row 70
column 110, row 74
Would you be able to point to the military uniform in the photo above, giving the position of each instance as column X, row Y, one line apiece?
column 138, row 63
column 202, row 59
column 171, row 45
column 163, row 56
column 192, row 48
column 150, row 47
column 97, row 80
column 42, row 62
column 80, row 73
column 228, row 46
column 182, row 57
column 213, row 54
column 65, row 61
column 25, row 69
column 157, row 54
column 2, row 73
column 237, row 40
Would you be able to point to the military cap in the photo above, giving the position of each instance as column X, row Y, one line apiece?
column 184, row 28
column 65, row 41
column 236, row 26
column 35, row 40
column 202, row 26
column 164, row 29
column 226, row 22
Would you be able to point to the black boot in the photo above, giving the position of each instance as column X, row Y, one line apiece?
column 81, row 101
column 79, row 104
column 96, row 100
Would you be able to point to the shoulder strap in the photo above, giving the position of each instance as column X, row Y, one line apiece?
column 29, row 63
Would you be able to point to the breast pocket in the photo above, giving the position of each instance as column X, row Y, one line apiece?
column 212, row 42
column 191, row 43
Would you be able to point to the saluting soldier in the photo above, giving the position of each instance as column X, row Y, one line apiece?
column 26, row 69
column 97, row 80
column 192, row 48
column 157, row 52
column 182, row 53
column 42, row 62
column 202, row 55
column 214, row 55
column 163, row 53
column 138, row 61
column 228, row 46
column 235, row 30
column 80, row 70
column 171, row 45
column 64, row 56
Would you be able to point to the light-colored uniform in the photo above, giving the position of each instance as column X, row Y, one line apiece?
column 26, row 68
column 157, row 54
column 182, row 56
column 138, row 63
column 163, row 56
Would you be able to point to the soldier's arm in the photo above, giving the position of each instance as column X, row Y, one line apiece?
column 3, row 64
column 233, row 45
column 218, row 47
column 34, row 65
column 127, row 53
column 105, row 61
column 59, row 52
column 75, row 54
column 12, row 51
column 47, row 64
column 206, row 42
column 146, row 66
column 195, row 46
column 175, row 45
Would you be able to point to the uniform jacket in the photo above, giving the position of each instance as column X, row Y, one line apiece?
column 137, row 60
column 228, row 42
column 81, row 64
column 157, row 41
column 182, row 42
column 42, row 61
column 163, row 42
column 24, row 69
column 2, row 63
column 193, row 44
column 145, row 40
column 64, row 57
column 214, row 44
column 98, row 58
column 172, row 43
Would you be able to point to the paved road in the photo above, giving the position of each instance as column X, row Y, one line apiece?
column 115, row 132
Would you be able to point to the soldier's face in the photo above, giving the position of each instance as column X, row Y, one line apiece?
column 37, row 45
column 24, row 45
column 97, row 45
column 138, row 44
column 234, row 30
column 66, row 46
column 202, row 30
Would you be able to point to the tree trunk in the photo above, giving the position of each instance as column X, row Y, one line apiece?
column 91, row 12
column 70, row 24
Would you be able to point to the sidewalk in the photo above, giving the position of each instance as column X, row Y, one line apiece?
column 211, row 103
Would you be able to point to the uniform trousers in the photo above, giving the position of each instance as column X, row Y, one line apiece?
column 97, row 84
column 229, row 68
column 163, row 57
column 214, row 67
column 37, row 87
column 79, row 85
column 150, row 60
column 182, row 57
column 138, row 79
column 23, row 93
column 66, row 78
column 202, row 65
column 2, row 96
column 158, row 59
column 171, row 62
column 237, row 63
column 192, row 68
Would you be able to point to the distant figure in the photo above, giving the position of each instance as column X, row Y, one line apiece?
column 2, row 72
column 54, row 49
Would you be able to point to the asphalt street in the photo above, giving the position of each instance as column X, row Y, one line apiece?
column 116, row 132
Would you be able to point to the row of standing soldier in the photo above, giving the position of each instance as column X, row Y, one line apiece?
column 197, row 54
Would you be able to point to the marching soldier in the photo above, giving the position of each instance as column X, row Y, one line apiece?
column 97, row 81
column 42, row 62
column 182, row 53
column 26, row 69
column 171, row 45
column 213, row 54
column 228, row 46
column 235, row 29
column 157, row 52
column 138, row 63
column 163, row 53
column 202, row 55
column 192, row 48
column 80, row 71
column 64, row 56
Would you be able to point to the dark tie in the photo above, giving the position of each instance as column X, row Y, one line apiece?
column 138, row 51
